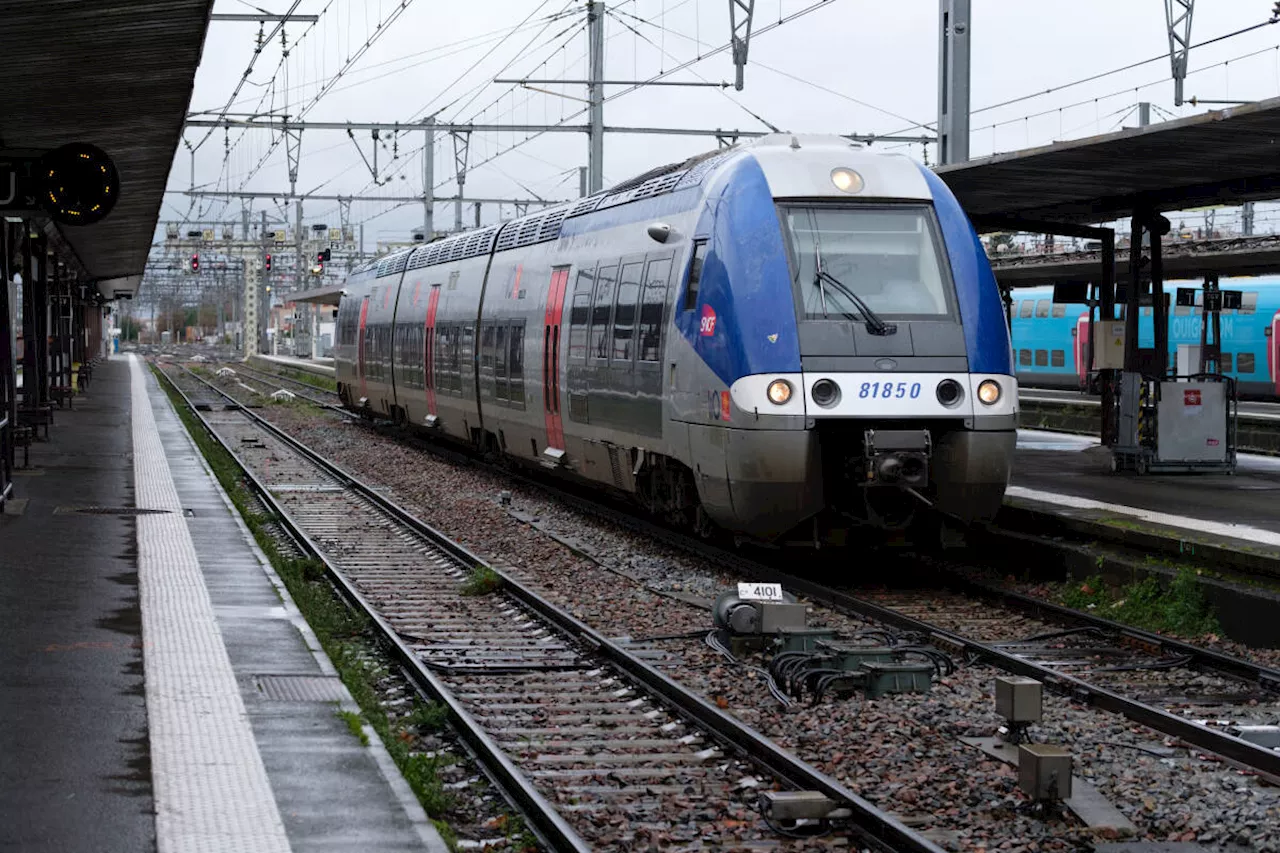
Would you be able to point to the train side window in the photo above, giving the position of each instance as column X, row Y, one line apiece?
column 1058, row 358
column 455, row 360
column 1024, row 358
column 1059, row 311
column 1249, row 302
column 486, row 361
column 464, row 353
column 1025, row 308
column 1042, row 308
column 695, row 275
column 1244, row 363
column 440, row 354
column 1042, row 358
column 624, row 313
column 580, row 314
column 654, row 303
column 500, row 363
column 1224, row 362
column 515, row 364
column 601, row 308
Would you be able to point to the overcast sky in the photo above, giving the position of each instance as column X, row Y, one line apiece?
column 864, row 66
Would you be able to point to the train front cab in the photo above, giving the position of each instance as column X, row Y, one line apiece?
column 811, row 378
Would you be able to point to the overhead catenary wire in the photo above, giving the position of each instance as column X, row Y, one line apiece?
column 1100, row 75
column 755, row 62
column 383, row 26
column 812, row 7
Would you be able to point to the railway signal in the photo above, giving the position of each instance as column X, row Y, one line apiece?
column 266, row 263
column 195, row 262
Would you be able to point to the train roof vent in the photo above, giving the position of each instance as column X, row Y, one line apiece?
column 419, row 257
column 437, row 251
column 699, row 171
column 654, row 186
column 507, row 237
column 393, row 264
column 549, row 228
column 400, row 261
column 584, row 205
column 538, row 228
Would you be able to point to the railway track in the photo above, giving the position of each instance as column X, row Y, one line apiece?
column 1192, row 694
column 595, row 745
column 316, row 392
column 318, row 396
column 1195, row 695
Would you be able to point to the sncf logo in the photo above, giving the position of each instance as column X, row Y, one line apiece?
column 708, row 327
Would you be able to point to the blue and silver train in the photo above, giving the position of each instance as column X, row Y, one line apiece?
column 1051, row 340
column 785, row 339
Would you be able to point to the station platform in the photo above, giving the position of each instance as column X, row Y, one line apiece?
column 161, row 690
column 1071, row 474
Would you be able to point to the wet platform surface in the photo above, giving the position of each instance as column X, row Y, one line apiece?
column 221, row 730
column 1244, row 505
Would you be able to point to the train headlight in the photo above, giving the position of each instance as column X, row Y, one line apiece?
column 950, row 393
column 779, row 391
column 847, row 180
column 989, row 392
column 825, row 393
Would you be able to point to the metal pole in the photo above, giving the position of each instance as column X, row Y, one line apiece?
column 264, row 281
column 595, row 94
column 428, row 180
column 1159, row 314
column 582, row 182
column 1144, row 113
column 297, row 242
column 1131, row 303
column 953, row 82
column 1106, row 314
column 1246, row 219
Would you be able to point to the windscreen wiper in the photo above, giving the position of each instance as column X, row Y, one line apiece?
column 875, row 325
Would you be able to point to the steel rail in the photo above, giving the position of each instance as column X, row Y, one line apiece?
column 1264, row 677
column 543, row 819
column 1212, row 740
column 875, row 825
column 267, row 378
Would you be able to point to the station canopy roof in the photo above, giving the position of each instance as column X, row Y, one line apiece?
column 1222, row 157
column 328, row 295
column 114, row 73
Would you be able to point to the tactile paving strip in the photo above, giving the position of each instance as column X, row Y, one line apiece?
column 211, row 788
column 300, row 688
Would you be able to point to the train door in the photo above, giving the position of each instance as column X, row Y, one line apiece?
column 429, row 352
column 1273, row 353
column 362, row 344
column 1084, row 358
column 551, row 361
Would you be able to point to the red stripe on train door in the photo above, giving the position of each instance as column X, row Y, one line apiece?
column 551, row 359
column 1082, row 349
column 429, row 348
column 360, row 342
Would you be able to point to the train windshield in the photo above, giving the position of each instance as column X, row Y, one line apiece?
column 886, row 256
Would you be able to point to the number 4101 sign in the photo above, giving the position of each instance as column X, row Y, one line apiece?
column 760, row 591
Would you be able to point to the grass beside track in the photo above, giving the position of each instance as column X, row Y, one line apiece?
column 1178, row 608
column 348, row 639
